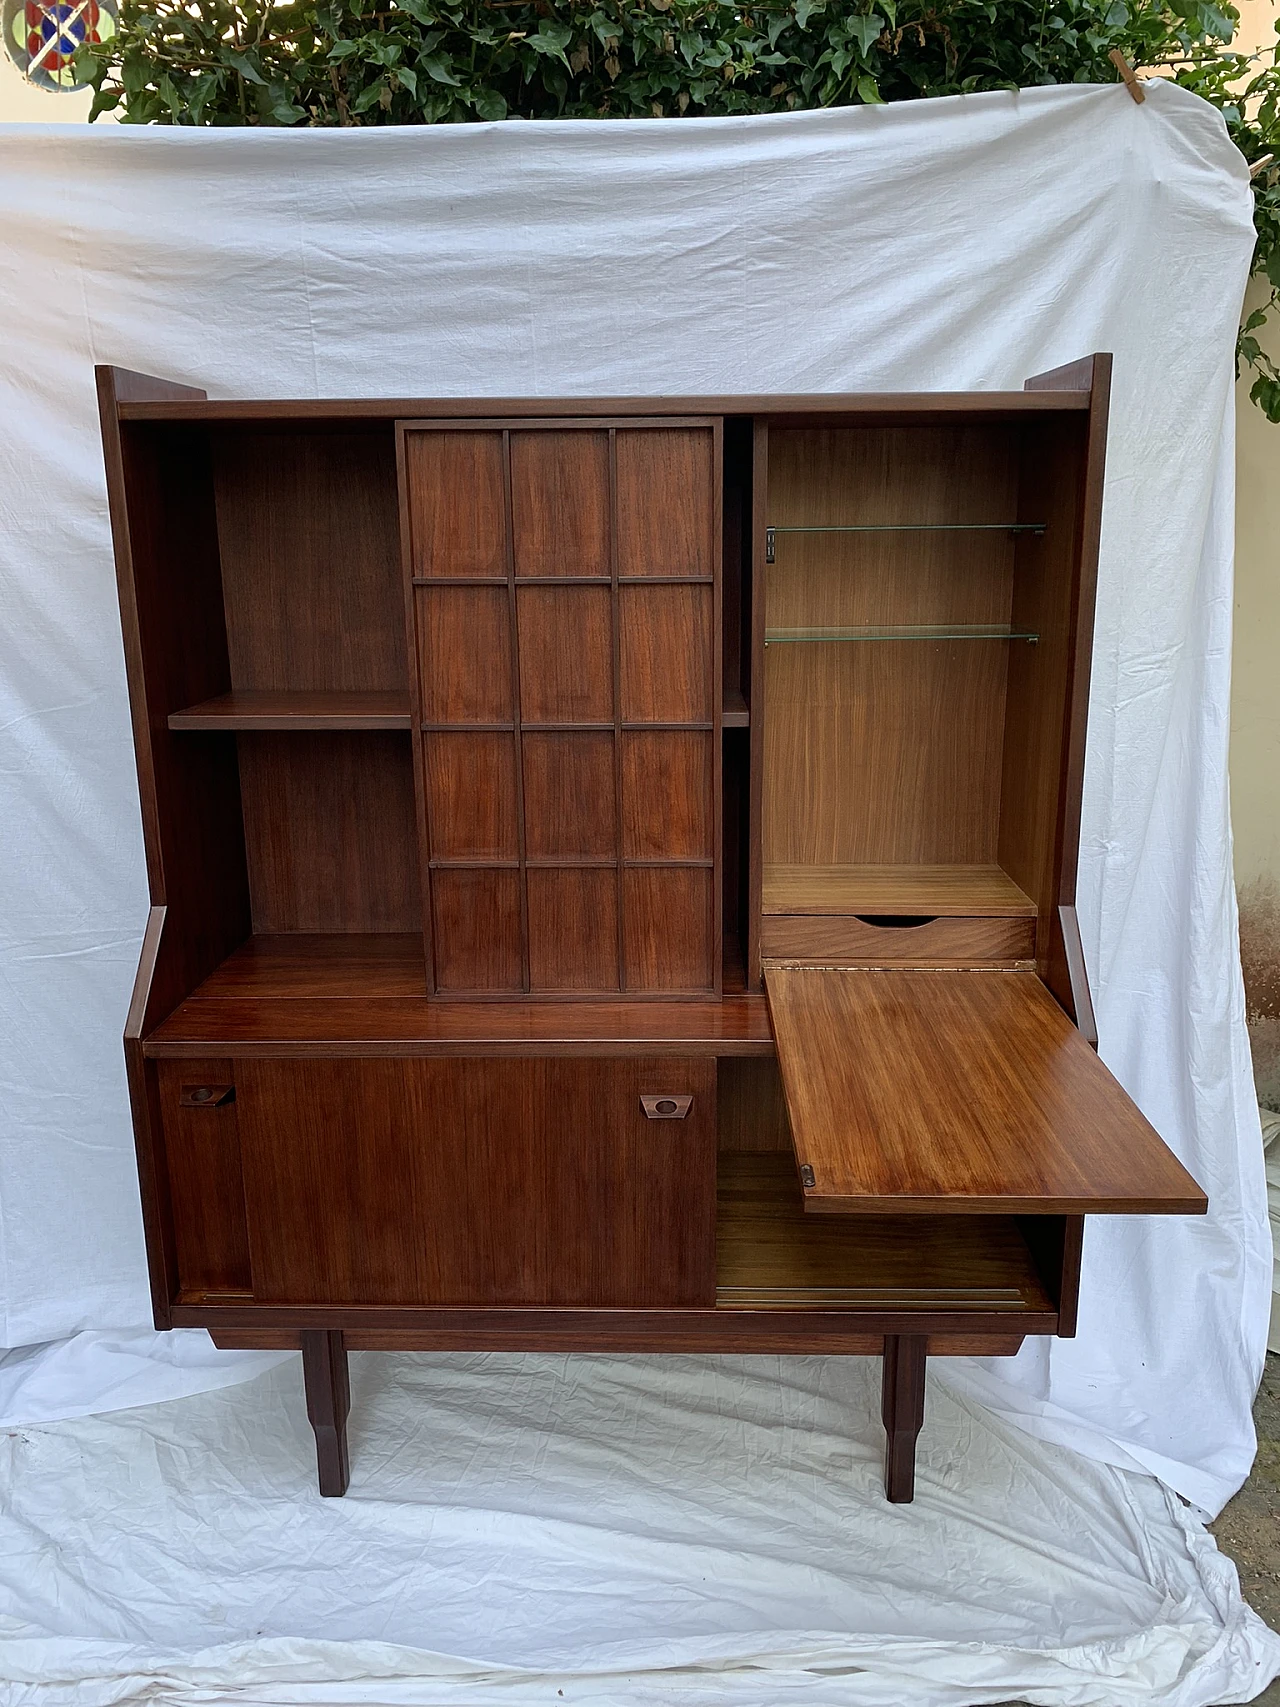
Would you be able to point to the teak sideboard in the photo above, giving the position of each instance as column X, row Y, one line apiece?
column 613, row 874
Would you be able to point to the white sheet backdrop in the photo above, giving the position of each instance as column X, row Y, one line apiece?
column 948, row 244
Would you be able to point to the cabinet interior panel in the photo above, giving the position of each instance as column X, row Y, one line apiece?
column 566, row 654
column 666, row 501
column 455, row 485
column 471, row 794
column 573, row 928
column 667, row 928
column 1046, row 601
column 940, row 891
column 668, row 794
column 560, row 503
column 477, row 931
column 330, row 833
column 570, row 795
column 464, row 654
column 310, row 557
column 771, row 1255
column 666, row 662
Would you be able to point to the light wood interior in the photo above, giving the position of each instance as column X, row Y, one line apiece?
column 771, row 1255
column 957, row 1092
column 885, row 766
column 945, row 891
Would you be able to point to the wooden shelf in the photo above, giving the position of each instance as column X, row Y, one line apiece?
column 735, row 714
column 365, row 995
column 940, row 891
column 275, row 709
column 771, row 1255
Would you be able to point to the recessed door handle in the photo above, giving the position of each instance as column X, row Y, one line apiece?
column 666, row 1108
column 206, row 1096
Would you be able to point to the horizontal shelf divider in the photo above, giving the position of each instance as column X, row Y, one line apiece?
column 561, row 580
column 564, row 728
column 901, row 631
column 251, row 709
column 569, row 862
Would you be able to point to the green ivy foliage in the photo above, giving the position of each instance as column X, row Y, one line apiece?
column 353, row 62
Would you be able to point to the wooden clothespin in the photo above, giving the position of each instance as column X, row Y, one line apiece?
column 1131, row 81
column 1261, row 165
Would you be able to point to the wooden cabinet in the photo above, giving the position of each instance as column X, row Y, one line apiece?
column 613, row 875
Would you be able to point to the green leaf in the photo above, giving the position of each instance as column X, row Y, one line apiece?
column 244, row 65
column 489, row 105
column 559, row 35
column 869, row 92
column 866, row 32
column 407, row 79
column 437, row 70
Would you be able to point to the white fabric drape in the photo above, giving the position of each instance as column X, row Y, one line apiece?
column 943, row 244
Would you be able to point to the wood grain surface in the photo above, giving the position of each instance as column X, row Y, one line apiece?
column 944, row 891
column 478, row 1182
column 276, row 708
column 828, row 939
column 351, row 994
column 771, row 1254
column 966, row 1092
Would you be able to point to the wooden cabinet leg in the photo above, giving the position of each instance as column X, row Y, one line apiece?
column 324, row 1374
column 902, row 1407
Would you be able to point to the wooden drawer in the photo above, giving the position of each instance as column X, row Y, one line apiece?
column 841, row 940
column 479, row 1181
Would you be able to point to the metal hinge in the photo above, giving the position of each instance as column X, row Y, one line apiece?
column 769, row 534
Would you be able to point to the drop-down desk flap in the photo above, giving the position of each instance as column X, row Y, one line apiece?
column 962, row 1092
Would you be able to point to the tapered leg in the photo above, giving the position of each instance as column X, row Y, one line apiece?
column 324, row 1374
column 902, row 1407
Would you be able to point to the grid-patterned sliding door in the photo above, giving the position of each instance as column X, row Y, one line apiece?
column 565, row 591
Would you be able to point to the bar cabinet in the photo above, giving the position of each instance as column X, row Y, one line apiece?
column 613, row 874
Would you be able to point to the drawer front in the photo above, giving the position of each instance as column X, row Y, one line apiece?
column 833, row 940
column 478, row 1182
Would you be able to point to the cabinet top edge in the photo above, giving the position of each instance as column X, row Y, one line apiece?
column 909, row 405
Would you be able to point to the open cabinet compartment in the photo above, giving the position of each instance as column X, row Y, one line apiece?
column 279, row 677
column 921, row 591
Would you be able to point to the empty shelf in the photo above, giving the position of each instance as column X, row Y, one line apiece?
column 771, row 1255
column 277, row 709
column 735, row 714
column 940, row 891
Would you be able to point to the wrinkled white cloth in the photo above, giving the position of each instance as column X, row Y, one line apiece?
column 934, row 245
column 601, row 1530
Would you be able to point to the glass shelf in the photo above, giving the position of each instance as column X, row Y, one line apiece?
column 910, row 631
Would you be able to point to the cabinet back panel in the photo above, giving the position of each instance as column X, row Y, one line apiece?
column 308, row 530
column 886, row 751
column 329, row 832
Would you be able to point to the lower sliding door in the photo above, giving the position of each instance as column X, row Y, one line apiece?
column 547, row 1181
